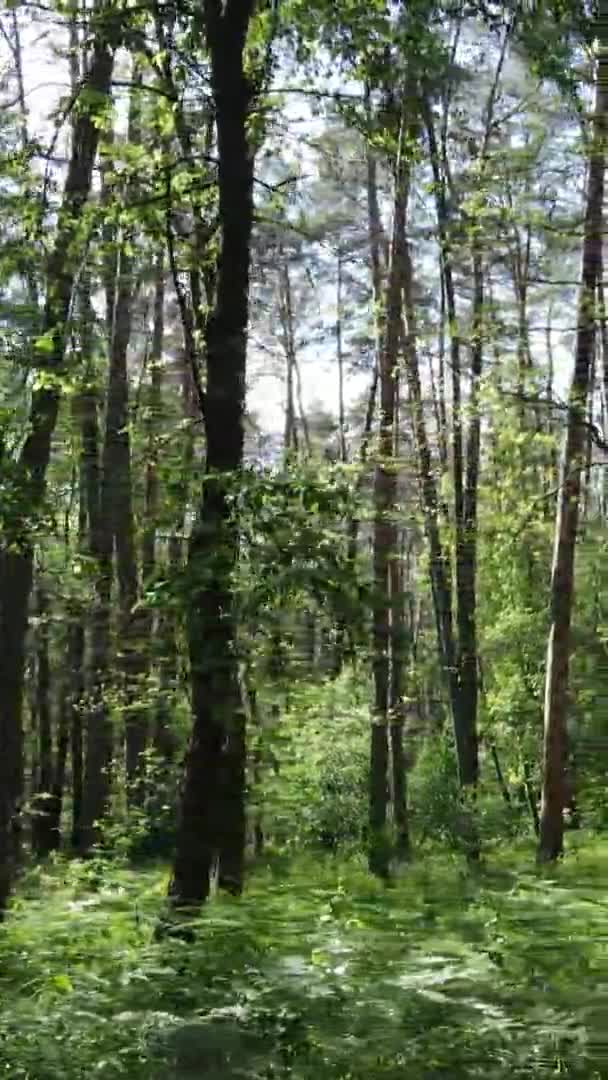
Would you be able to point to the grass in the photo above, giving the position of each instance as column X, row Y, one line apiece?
column 318, row 971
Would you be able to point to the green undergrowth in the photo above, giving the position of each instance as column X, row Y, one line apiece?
column 317, row 972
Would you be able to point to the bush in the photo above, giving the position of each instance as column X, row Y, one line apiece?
column 434, row 793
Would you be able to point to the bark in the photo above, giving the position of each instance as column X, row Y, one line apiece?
column 400, row 646
column 502, row 785
column 146, row 622
column 44, row 728
column 301, row 409
column 587, row 496
column 69, row 728
column 442, row 416
column 439, row 562
column 603, row 378
column 17, row 555
column 550, row 503
column 374, row 228
column 164, row 739
column 519, row 257
column 465, row 467
column 566, row 525
column 531, row 796
column 604, row 348
column 255, row 723
column 84, row 413
column 99, row 741
column 290, row 440
column 212, row 826
column 461, row 703
column 76, row 653
column 440, row 170
column 385, row 531
column 466, row 549
column 151, row 496
column 340, row 359
column 399, row 789
column 117, row 494
column 466, row 513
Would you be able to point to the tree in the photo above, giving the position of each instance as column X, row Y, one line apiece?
column 572, row 467
column 386, row 657
column 212, row 816
column 16, row 556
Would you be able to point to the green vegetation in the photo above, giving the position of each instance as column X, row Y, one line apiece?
column 303, row 539
column 319, row 971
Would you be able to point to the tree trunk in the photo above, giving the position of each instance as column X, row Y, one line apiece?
column 439, row 561
column 401, row 644
column 290, row 439
column 374, row 229
column 466, row 548
column 146, row 621
column 566, row 525
column 212, row 827
column 99, row 739
column 17, row 554
column 500, row 779
column 153, row 423
column 531, row 796
column 69, row 730
column 44, row 782
column 117, row 489
column 301, row 409
column 385, row 529
column 164, row 738
column 340, row 359
column 76, row 653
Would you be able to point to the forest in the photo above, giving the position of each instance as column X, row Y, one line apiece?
column 303, row 540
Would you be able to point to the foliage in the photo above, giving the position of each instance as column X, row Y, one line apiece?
column 327, row 975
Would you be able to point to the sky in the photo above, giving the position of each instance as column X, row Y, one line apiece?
column 47, row 79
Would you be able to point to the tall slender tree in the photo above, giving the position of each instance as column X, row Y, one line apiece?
column 16, row 555
column 572, row 468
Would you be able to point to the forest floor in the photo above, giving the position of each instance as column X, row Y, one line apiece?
column 317, row 972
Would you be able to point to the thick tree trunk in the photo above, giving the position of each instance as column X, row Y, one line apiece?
column 566, row 525
column 212, row 827
column 16, row 555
